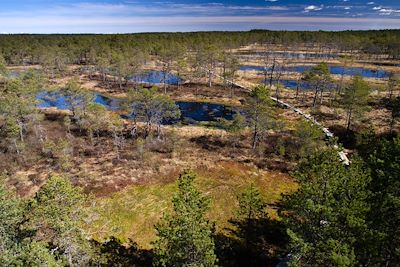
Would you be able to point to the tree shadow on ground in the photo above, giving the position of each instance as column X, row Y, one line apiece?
column 346, row 138
column 114, row 253
column 210, row 143
column 257, row 242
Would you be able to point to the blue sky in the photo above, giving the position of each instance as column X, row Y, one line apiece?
column 117, row 16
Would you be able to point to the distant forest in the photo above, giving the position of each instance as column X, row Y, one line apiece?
column 84, row 48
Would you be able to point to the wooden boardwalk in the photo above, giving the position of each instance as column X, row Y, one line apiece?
column 329, row 135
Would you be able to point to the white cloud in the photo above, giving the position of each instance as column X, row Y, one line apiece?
column 371, row 3
column 388, row 11
column 255, row 8
column 139, row 16
column 313, row 8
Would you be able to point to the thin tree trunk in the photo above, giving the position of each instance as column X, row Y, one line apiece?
column 349, row 120
column 165, row 81
column 255, row 133
column 315, row 96
column 272, row 75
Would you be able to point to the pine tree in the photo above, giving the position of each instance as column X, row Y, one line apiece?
column 17, row 248
column 251, row 204
column 153, row 108
column 319, row 77
column 259, row 109
column 355, row 99
column 3, row 66
column 384, row 218
column 57, row 217
column 326, row 216
column 250, row 215
column 185, row 236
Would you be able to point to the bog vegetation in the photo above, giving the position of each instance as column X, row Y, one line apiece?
column 105, row 162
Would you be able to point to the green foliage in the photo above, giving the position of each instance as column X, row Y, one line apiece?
column 11, row 211
column 57, row 216
column 326, row 217
column 318, row 73
column 124, row 63
column 16, row 248
column 185, row 236
column 18, row 108
column 230, row 66
column 309, row 139
column 3, row 66
column 60, row 153
column 97, row 119
column 394, row 107
column 252, row 211
column 384, row 216
column 77, row 97
column 260, row 112
column 53, row 60
column 393, row 85
column 320, row 78
column 234, row 127
column 54, row 51
column 251, row 204
column 35, row 254
column 354, row 99
column 151, row 107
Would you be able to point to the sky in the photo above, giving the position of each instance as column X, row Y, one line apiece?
column 131, row 16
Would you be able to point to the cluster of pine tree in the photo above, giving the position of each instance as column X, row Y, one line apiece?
column 340, row 216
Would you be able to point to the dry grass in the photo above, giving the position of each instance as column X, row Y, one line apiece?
column 133, row 212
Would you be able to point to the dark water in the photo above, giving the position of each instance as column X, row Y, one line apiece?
column 52, row 100
column 151, row 77
column 291, row 55
column 191, row 112
column 14, row 74
column 292, row 84
column 156, row 77
column 303, row 85
column 257, row 68
column 336, row 70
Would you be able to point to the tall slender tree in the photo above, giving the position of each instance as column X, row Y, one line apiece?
column 259, row 107
column 355, row 99
column 185, row 235
column 319, row 77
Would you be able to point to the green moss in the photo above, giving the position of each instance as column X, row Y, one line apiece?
column 131, row 214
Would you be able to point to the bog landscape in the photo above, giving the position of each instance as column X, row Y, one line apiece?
column 211, row 148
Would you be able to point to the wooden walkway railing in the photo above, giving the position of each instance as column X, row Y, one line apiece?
column 308, row 117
